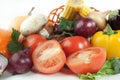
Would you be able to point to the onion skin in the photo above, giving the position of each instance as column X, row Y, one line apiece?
column 20, row 62
column 99, row 18
column 3, row 63
column 85, row 27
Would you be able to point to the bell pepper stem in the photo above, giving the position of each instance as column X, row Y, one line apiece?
column 109, row 30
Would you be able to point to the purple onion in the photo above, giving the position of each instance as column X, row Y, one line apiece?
column 20, row 62
column 85, row 27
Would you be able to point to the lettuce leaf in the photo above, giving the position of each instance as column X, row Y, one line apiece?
column 111, row 67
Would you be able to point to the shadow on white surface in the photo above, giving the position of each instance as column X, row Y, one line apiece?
column 56, row 76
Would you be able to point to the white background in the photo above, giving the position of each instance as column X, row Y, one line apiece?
column 12, row 8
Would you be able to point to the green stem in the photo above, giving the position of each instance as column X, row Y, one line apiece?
column 63, row 34
column 109, row 31
column 58, row 36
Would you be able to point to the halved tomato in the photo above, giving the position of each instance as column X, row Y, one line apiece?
column 87, row 60
column 49, row 57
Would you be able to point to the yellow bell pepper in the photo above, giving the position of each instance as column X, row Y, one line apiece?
column 108, row 39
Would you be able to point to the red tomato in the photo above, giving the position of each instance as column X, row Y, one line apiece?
column 33, row 40
column 73, row 44
column 49, row 57
column 87, row 60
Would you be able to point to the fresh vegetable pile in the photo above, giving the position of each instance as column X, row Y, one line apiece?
column 81, row 39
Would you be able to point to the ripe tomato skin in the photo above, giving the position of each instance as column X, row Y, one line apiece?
column 33, row 40
column 73, row 44
column 5, row 37
column 48, row 57
column 87, row 60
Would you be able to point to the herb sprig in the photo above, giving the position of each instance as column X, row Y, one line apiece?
column 14, row 45
column 66, row 25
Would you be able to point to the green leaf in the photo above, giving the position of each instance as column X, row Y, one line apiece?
column 15, row 35
column 107, row 68
column 14, row 45
column 111, row 67
column 66, row 25
column 88, row 76
column 116, row 65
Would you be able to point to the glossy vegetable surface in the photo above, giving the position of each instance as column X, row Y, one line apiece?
column 20, row 62
column 109, row 40
column 73, row 44
column 114, row 19
column 33, row 40
column 5, row 37
column 99, row 18
column 85, row 27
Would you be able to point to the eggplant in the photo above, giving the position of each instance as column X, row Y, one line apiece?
column 3, row 63
column 114, row 19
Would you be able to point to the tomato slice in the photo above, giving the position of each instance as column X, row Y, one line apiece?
column 49, row 57
column 87, row 60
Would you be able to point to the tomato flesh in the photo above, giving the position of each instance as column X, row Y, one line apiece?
column 49, row 57
column 87, row 60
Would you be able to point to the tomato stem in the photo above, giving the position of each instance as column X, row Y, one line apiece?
column 109, row 30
